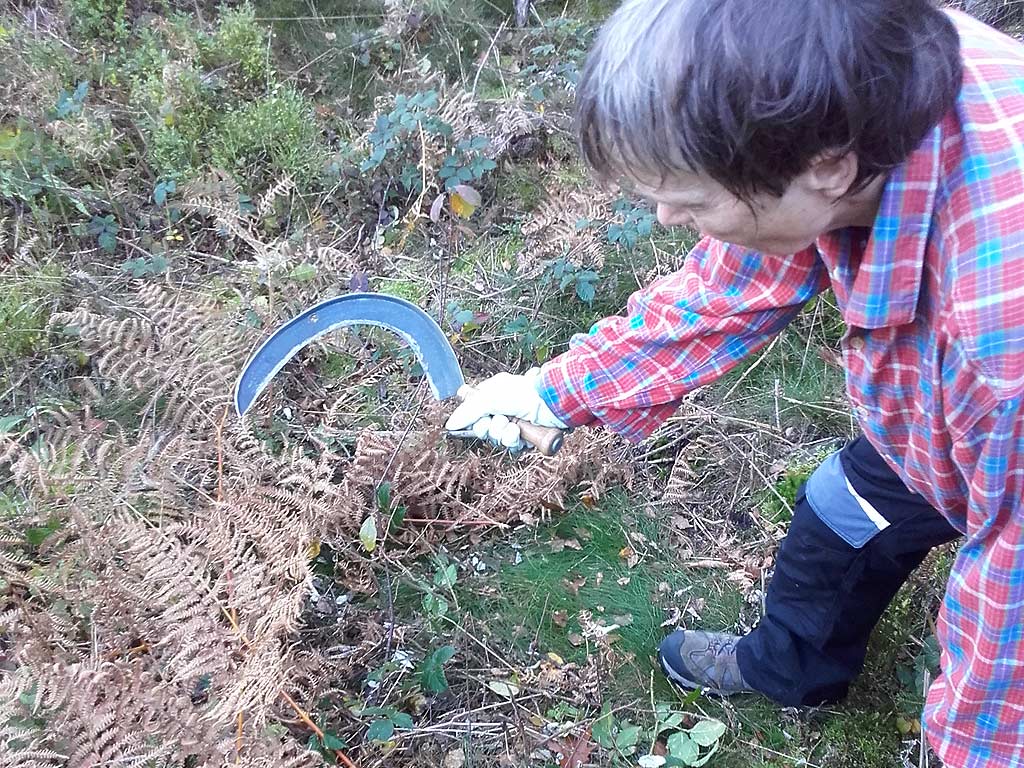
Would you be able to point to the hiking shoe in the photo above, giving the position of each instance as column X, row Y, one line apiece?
column 696, row 659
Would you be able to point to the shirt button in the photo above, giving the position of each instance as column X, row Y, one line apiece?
column 857, row 343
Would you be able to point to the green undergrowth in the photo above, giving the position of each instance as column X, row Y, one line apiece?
column 523, row 597
column 798, row 378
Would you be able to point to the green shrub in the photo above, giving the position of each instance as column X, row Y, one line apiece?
column 269, row 137
column 240, row 42
column 99, row 19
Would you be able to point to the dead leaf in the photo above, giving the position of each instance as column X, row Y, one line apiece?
column 503, row 688
column 583, row 533
column 573, row 754
column 588, row 500
column 557, row 545
column 573, row 544
column 560, row 618
column 455, row 759
column 435, row 208
column 574, row 585
column 630, row 555
column 680, row 523
column 575, row 639
column 623, row 581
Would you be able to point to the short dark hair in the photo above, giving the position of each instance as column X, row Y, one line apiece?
column 750, row 91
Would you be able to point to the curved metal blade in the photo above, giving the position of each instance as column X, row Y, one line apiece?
column 419, row 330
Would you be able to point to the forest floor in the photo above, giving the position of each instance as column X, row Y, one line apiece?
column 333, row 578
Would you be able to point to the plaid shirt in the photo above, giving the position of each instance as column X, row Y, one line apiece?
column 933, row 297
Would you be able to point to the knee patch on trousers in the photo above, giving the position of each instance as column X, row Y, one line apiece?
column 838, row 505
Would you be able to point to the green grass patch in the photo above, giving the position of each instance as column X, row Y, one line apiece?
column 554, row 582
column 24, row 311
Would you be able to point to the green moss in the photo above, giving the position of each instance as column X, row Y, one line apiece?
column 777, row 503
column 337, row 365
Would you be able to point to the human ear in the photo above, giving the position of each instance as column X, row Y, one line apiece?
column 831, row 174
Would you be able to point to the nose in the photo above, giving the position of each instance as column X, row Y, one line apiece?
column 673, row 216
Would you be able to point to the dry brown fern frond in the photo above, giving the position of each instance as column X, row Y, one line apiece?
column 434, row 478
column 280, row 188
column 423, row 472
column 182, row 354
column 562, row 226
column 459, row 109
column 510, row 122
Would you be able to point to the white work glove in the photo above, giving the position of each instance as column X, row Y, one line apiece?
column 487, row 411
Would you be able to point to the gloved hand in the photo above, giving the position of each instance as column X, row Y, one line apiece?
column 487, row 411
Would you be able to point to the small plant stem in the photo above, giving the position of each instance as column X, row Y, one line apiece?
column 415, row 213
column 220, row 456
column 238, row 736
column 654, row 711
column 342, row 757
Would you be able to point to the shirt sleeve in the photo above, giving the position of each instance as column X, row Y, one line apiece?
column 681, row 332
column 973, row 710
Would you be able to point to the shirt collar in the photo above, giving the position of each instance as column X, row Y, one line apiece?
column 881, row 288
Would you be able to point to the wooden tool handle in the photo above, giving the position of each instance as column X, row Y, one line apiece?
column 547, row 440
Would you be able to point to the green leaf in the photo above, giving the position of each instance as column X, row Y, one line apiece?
column 36, row 535
column 380, row 730
column 8, row 423
column 586, row 291
column 435, row 606
column 368, row 533
column 671, row 721
column 447, row 576
column 333, row 742
column 384, row 496
column 707, row 732
column 462, row 317
column 402, row 720
column 107, row 241
column 601, row 730
column 158, row 264
column 313, row 743
column 302, row 273
column 704, row 760
column 682, row 747
column 627, row 738
column 432, row 670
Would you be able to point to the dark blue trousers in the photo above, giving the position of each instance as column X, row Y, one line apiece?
column 827, row 595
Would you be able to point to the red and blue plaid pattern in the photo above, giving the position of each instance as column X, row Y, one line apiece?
column 933, row 297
